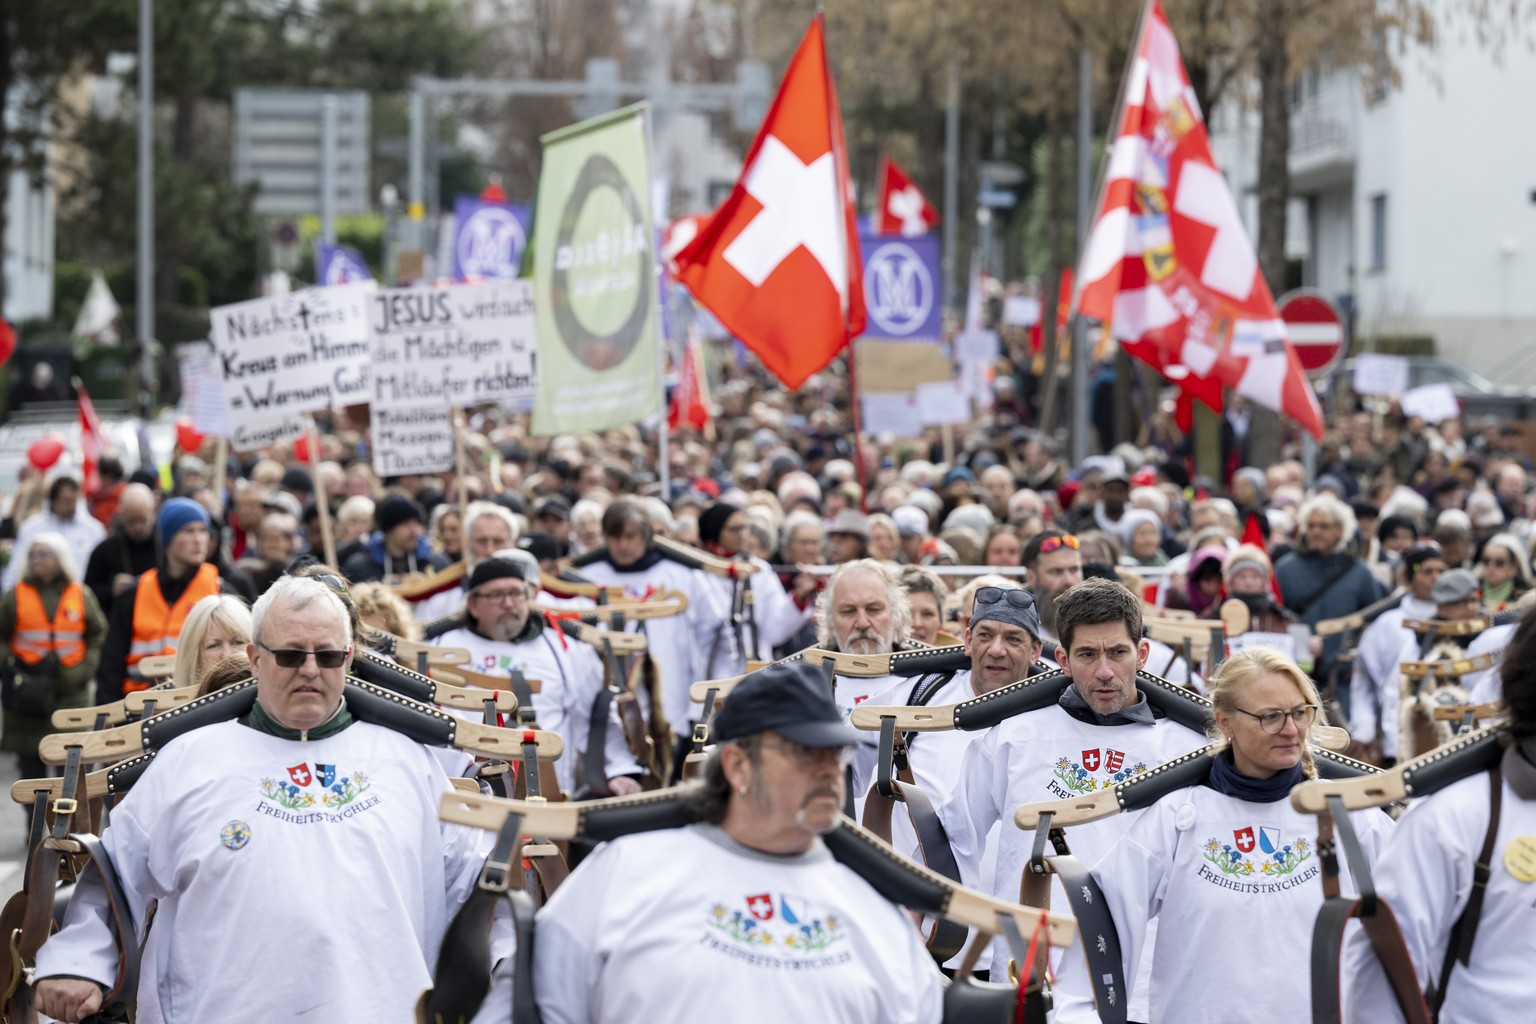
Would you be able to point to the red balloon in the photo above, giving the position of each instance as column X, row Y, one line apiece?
column 188, row 439
column 45, row 451
column 301, row 448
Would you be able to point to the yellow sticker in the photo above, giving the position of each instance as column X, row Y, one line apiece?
column 1520, row 858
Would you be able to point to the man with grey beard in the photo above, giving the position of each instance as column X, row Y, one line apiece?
column 863, row 610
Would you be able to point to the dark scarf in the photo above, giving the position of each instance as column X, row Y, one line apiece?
column 651, row 557
column 1228, row 781
column 1139, row 713
column 259, row 720
column 1519, row 767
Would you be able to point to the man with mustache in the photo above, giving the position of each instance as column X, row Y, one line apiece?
column 863, row 610
column 748, row 908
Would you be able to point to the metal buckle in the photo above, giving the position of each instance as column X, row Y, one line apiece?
column 700, row 733
column 65, row 806
column 494, row 876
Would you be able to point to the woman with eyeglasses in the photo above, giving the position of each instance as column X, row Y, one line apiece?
column 1226, row 868
column 1505, row 572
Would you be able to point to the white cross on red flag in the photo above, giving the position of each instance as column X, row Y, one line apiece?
column 779, row 262
column 1168, row 267
column 904, row 210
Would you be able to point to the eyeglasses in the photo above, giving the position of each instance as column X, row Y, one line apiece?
column 1497, row 563
column 294, row 657
column 808, row 756
column 1015, row 596
column 1066, row 540
column 336, row 583
column 503, row 596
column 1273, row 721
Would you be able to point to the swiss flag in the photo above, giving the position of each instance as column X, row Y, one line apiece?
column 90, row 441
column 779, row 262
column 904, row 210
column 1168, row 264
column 690, row 399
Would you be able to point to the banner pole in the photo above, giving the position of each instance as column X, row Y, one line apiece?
column 322, row 503
column 460, row 424
column 858, row 432
column 663, row 468
column 221, row 467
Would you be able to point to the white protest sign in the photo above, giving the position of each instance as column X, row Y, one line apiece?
column 1434, row 403
column 444, row 348
column 893, row 412
column 293, row 353
column 1021, row 311
column 943, row 402
column 202, row 389
column 1282, row 642
column 1377, row 374
column 411, row 441
column 977, row 347
column 255, row 434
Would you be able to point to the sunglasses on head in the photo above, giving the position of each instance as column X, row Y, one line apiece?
column 1066, row 540
column 1014, row 596
column 293, row 657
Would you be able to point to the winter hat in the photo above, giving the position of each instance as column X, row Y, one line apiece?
column 712, row 521
column 506, row 565
column 178, row 513
column 397, row 509
column 1246, row 556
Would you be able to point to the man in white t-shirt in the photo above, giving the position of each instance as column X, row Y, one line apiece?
column 746, row 913
column 295, row 856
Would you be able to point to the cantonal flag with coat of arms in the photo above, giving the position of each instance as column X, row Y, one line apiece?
column 1168, row 264
column 779, row 262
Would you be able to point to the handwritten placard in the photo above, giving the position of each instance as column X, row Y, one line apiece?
column 1378, row 374
column 444, row 348
column 943, row 402
column 411, row 441
column 256, row 434
column 293, row 353
column 1434, row 403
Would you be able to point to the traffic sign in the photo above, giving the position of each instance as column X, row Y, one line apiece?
column 1314, row 327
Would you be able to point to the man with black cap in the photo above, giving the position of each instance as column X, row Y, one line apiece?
column 504, row 632
column 399, row 545
column 552, row 516
column 748, row 908
column 146, row 618
column 775, row 616
column 1376, row 681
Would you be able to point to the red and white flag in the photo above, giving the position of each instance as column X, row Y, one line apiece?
column 1168, row 263
column 690, row 399
column 904, row 210
column 90, row 441
column 779, row 262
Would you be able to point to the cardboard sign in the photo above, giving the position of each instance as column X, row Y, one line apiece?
column 411, row 441
column 889, row 413
column 257, row 434
column 943, row 402
column 293, row 353
column 1435, row 403
column 444, row 348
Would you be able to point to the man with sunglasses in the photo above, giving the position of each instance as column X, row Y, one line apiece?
column 747, row 908
column 1101, row 732
column 1055, row 564
column 293, row 839
column 504, row 632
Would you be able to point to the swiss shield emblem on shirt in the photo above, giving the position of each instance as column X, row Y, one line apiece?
column 761, row 906
column 1244, row 839
column 299, row 773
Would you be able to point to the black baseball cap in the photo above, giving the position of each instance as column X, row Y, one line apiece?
column 793, row 698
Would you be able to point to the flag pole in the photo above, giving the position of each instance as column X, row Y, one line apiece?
column 858, row 431
column 658, row 281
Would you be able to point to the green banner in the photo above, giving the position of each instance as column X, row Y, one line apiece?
column 594, row 270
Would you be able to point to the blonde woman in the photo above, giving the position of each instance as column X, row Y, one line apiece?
column 380, row 608
column 217, row 627
column 1231, row 861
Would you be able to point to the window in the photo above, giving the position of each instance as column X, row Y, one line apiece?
column 1379, row 231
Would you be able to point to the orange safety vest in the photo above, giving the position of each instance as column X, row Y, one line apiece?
column 36, row 637
column 156, row 627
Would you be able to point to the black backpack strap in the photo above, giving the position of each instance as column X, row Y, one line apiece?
column 1464, row 931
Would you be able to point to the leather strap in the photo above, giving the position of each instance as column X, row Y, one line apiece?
column 1464, row 931
column 1375, row 917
